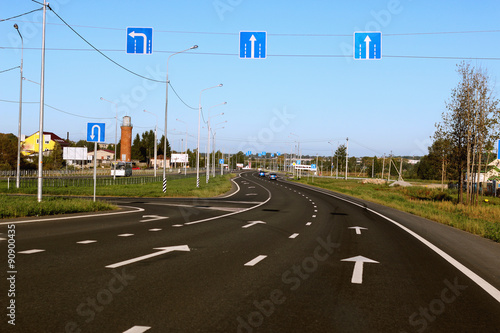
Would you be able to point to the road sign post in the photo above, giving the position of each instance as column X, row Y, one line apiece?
column 96, row 132
column 139, row 40
column 253, row 44
column 367, row 45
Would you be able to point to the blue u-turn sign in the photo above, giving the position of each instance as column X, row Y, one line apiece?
column 96, row 132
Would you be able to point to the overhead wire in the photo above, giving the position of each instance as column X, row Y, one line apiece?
column 13, row 17
column 6, row 70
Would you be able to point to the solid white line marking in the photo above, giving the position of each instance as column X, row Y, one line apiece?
column 293, row 235
column 255, row 261
column 89, row 241
column 235, row 183
column 31, row 251
column 137, row 209
column 308, row 223
column 155, row 229
column 137, row 329
column 125, row 235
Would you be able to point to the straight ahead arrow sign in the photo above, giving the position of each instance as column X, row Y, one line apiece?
column 367, row 42
column 163, row 250
column 357, row 274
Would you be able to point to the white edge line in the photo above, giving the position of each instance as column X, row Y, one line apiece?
column 233, row 213
column 137, row 209
column 235, row 183
column 255, row 261
column 486, row 286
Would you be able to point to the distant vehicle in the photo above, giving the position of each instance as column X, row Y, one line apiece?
column 262, row 174
column 273, row 176
column 123, row 169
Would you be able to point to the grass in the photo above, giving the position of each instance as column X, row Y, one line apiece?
column 433, row 204
column 21, row 205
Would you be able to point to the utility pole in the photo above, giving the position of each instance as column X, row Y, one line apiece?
column 346, row 157
column 42, row 101
column 401, row 170
column 383, row 167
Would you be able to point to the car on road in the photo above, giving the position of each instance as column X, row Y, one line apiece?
column 262, row 174
column 273, row 176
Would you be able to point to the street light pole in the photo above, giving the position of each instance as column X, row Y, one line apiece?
column 199, row 129
column 185, row 151
column 213, row 158
column 166, row 108
column 346, row 157
column 18, row 170
column 208, row 137
column 156, row 129
column 116, row 132
column 42, row 104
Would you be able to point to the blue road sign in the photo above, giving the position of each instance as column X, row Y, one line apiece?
column 313, row 166
column 140, row 40
column 298, row 162
column 253, row 45
column 498, row 150
column 249, row 153
column 96, row 132
column 272, row 154
column 263, row 153
column 221, row 161
column 367, row 45
column 278, row 153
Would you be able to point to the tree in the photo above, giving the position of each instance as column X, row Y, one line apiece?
column 469, row 125
column 340, row 156
column 8, row 151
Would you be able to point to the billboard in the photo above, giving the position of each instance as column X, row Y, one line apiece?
column 179, row 158
column 75, row 153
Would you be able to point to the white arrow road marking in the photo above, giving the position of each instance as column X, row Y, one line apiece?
column 367, row 42
column 125, row 235
column 293, row 235
column 31, row 251
column 151, row 255
column 252, row 50
column 358, row 229
column 137, row 329
column 251, row 223
column 150, row 218
column 357, row 274
column 255, row 261
column 134, row 34
column 89, row 241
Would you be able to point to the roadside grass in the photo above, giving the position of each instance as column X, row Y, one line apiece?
column 433, row 204
column 53, row 202
column 12, row 206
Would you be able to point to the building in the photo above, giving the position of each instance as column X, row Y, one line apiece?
column 30, row 145
column 159, row 160
column 104, row 156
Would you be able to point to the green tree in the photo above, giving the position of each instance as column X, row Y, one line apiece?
column 8, row 151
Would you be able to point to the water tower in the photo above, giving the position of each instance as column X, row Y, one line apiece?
column 126, row 140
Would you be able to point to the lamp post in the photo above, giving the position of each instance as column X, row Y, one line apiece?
column 185, row 151
column 18, row 170
column 116, row 132
column 166, row 108
column 213, row 159
column 42, row 106
column 156, row 129
column 199, row 129
column 346, row 157
column 331, row 163
column 299, row 171
column 208, row 137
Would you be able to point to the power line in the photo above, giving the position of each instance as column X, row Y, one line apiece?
column 270, row 55
column 13, row 17
column 287, row 34
column 176, row 94
column 6, row 70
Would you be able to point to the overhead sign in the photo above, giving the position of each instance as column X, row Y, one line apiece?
column 498, row 150
column 313, row 166
column 272, row 154
column 249, row 153
column 278, row 153
column 253, row 44
column 298, row 162
column 96, row 132
column 140, row 40
column 367, row 45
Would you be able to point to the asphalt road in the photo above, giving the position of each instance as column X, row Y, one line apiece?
column 270, row 257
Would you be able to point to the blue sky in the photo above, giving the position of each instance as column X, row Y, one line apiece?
column 308, row 85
